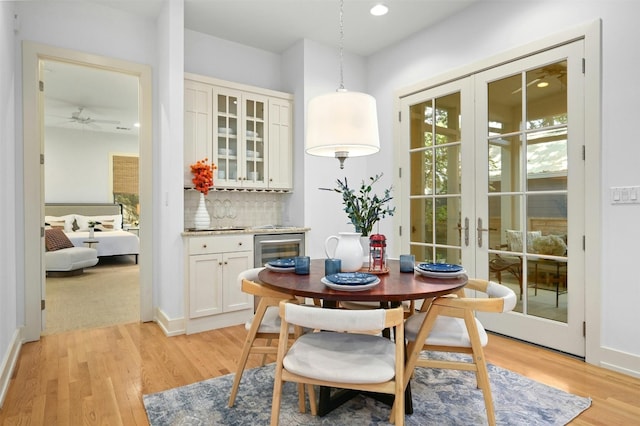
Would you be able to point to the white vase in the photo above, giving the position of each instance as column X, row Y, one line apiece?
column 201, row 219
column 348, row 249
column 91, row 235
column 365, row 250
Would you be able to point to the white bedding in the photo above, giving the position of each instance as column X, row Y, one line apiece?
column 111, row 243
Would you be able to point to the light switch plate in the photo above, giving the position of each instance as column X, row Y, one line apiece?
column 625, row 195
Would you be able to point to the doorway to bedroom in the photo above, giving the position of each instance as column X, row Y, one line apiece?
column 91, row 147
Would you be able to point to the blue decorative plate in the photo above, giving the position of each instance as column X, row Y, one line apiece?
column 283, row 263
column 350, row 287
column 351, row 278
column 440, row 267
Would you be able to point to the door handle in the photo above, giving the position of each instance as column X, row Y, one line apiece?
column 480, row 230
column 466, row 231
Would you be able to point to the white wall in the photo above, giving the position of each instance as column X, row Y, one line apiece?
column 322, row 75
column 8, row 238
column 491, row 27
column 226, row 60
column 77, row 164
column 168, row 204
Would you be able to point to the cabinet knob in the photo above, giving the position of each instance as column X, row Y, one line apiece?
column 204, row 246
column 240, row 243
column 226, row 263
column 219, row 263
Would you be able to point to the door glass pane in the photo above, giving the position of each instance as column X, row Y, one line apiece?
column 547, row 282
column 421, row 220
column 447, row 216
column 448, row 171
column 547, row 160
column 547, row 96
column 505, row 105
column 435, row 176
column 447, row 109
column 504, row 164
column 421, row 125
column 421, row 163
column 504, row 216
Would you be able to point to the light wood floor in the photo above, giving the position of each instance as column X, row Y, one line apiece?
column 99, row 376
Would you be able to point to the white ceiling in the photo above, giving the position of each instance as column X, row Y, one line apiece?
column 272, row 25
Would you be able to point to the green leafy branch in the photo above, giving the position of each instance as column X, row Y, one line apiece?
column 362, row 208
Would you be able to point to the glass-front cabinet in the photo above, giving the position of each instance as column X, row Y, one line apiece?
column 238, row 136
column 239, row 125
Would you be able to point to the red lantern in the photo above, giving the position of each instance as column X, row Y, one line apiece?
column 377, row 253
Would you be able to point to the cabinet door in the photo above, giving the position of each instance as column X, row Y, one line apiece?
column 197, row 125
column 205, row 285
column 234, row 298
column 255, row 141
column 280, row 156
column 228, row 143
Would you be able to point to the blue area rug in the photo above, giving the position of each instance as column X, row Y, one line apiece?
column 440, row 397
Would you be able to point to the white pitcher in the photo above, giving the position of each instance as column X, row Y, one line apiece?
column 348, row 250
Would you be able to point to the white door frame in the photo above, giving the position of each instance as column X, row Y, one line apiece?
column 32, row 55
column 591, row 34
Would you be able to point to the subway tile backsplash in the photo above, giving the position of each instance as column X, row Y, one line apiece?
column 236, row 208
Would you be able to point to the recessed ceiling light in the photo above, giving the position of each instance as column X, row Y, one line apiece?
column 136, row 124
column 379, row 10
column 543, row 84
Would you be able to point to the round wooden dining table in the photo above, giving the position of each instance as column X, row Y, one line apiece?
column 394, row 288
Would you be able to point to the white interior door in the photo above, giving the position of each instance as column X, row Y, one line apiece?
column 489, row 186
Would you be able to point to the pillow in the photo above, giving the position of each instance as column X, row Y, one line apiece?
column 106, row 225
column 108, row 222
column 61, row 222
column 514, row 240
column 550, row 244
column 56, row 239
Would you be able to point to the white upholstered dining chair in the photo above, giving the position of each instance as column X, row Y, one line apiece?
column 265, row 324
column 449, row 324
column 339, row 355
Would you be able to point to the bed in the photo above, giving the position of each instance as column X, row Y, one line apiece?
column 75, row 218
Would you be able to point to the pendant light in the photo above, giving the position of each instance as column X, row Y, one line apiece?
column 342, row 124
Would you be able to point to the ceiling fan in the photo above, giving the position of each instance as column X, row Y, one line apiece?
column 76, row 117
column 557, row 70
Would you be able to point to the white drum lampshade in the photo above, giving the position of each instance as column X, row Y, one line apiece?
column 342, row 124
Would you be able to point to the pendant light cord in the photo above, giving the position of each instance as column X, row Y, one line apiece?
column 341, row 45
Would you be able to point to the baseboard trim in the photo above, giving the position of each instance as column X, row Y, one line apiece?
column 169, row 327
column 9, row 362
column 622, row 362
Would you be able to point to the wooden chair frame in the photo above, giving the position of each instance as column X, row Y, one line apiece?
column 457, row 306
column 393, row 318
column 268, row 298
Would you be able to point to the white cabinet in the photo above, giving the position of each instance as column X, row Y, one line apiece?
column 197, row 125
column 248, row 133
column 280, row 155
column 213, row 297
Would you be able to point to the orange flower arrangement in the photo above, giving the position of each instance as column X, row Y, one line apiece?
column 203, row 175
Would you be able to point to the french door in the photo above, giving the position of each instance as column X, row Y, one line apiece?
column 496, row 183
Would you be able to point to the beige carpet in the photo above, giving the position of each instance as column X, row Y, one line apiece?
column 106, row 294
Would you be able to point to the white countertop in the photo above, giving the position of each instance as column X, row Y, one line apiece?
column 247, row 230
